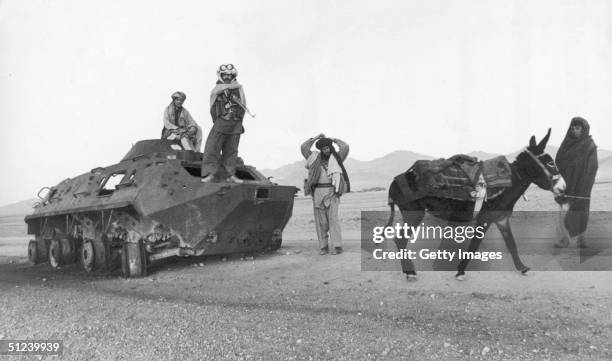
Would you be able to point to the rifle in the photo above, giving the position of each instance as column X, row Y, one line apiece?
column 237, row 101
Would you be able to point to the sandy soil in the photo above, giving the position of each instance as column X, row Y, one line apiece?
column 295, row 304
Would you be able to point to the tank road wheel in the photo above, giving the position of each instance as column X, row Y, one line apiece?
column 134, row 260
column 113, row 260
column 55, row 253
column 61, row 252
column 33, row 255
column 277, row 240
column 43, row 249
column 68, row 250
column 101, row 251
column 88, row 256
column 38, row 251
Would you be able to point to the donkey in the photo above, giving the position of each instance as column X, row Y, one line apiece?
column 532, row 165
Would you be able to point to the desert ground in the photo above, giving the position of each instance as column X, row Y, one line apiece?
column 295, row 304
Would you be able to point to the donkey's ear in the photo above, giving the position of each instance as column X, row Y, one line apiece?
column 544, row 140
column 532, row 142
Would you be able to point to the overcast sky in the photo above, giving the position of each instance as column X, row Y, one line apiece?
column 80, row 81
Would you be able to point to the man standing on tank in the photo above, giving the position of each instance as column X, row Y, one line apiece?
column 327, row 181
column 227, row 108
column 577, row 162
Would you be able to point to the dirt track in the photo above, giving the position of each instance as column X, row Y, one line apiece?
column 295, row 304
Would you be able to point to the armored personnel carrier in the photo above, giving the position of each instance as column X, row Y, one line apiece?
column 153, row 205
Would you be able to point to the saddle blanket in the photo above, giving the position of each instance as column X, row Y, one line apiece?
column 457, row 177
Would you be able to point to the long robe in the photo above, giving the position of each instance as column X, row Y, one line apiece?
column 577, row 162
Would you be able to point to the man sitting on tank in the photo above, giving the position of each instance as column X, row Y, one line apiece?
column 179, row 125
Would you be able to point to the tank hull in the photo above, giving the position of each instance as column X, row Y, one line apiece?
column 241, row 221
column 160, row 206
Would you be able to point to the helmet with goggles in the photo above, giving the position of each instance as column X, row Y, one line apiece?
column 228, row 69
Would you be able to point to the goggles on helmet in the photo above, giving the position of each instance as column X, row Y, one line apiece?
column 227, row 69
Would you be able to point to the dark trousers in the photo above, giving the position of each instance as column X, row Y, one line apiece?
column 220, row 149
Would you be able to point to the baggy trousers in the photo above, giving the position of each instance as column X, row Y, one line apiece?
column 224, row 144
column 327, row 223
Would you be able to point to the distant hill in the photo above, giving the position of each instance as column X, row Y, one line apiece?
column 604, row 173
column 363, row 174
column 603, row 154
column 380, row 171
column 550, row 149
column 18, row 209
column 605, row 161
column 482, row 155
column 376, row 173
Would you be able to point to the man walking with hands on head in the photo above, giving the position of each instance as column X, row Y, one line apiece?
column 327, row 181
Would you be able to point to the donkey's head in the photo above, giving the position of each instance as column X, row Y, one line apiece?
column 539, row 167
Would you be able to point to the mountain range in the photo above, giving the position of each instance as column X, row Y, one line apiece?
column 18, row 208
column 364, row 175
column 379, row 172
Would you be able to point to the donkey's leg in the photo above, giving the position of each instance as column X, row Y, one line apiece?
column 447, row 245
column 506, row 231
column 411, row 218
column 473, row 247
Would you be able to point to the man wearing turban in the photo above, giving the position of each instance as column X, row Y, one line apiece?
column 179, row 125
column 577, row 162
column 327, row 181
column 227, row 109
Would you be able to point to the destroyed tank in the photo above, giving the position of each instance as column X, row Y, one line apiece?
column 152, row 205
